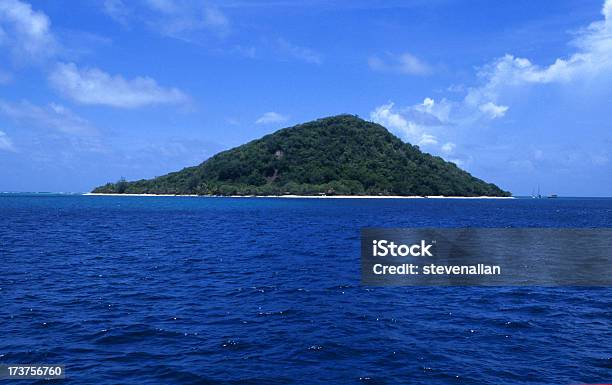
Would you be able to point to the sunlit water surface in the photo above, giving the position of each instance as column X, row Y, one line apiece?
column 169, row 290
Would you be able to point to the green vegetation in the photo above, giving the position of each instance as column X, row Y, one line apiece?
column 341, row 155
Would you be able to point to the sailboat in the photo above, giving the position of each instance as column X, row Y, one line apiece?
column 536, row 196
column 539, row 195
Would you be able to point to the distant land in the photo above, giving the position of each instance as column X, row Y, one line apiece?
column 338, row 155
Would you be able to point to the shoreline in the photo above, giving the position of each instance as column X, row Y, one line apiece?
column 302, row 196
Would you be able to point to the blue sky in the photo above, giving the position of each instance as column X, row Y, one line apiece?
column 517, row 92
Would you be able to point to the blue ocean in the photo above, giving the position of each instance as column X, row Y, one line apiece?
column 195, row 290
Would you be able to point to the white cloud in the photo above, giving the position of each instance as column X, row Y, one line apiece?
column 26, row 33
column 414, row 123
column 500, row 84
column 394, row 121
column 305, row 54
column 405, row 63
column 271, row 117
column 448, row 147
column 214, row 18
column 189, row 21
column 93, row 86
column 117, row 10
column 5, row 142
column 492, row 110
column 165, row 6
column 592, row 59
column 427, row 140
column 52, row 116
column 463, row 163
column 181, row 19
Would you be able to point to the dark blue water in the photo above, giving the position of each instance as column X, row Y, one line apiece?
column 168, row 290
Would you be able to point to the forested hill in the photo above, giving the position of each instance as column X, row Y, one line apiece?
column 342, row 155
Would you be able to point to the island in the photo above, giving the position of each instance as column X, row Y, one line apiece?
column 341, row 155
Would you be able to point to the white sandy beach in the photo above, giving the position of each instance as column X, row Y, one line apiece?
column 304, row 196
